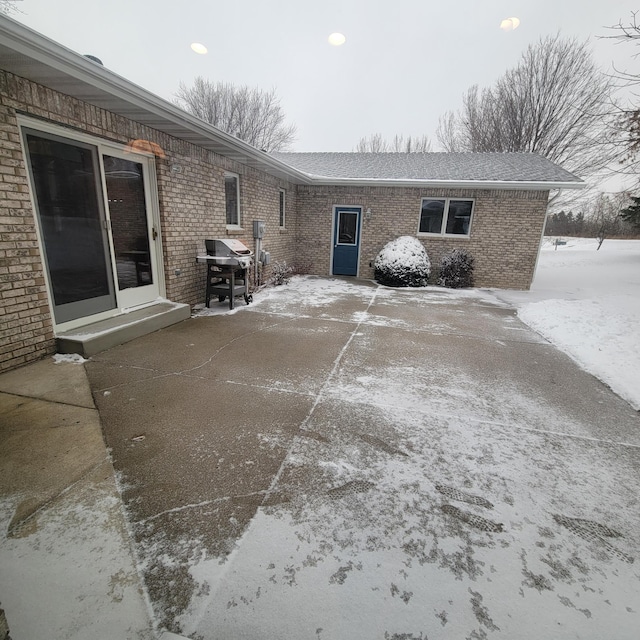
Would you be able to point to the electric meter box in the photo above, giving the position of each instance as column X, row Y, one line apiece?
column 259, row 227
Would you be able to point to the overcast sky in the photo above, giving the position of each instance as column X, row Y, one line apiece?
column 404, row 63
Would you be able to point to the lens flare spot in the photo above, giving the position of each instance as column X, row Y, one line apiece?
column 199, row 48
column 509, row 24
column 337, row 39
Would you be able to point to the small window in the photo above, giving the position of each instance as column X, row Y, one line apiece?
column 232, row 199
column 445, row 216
column 283, row 198
column 347, row 227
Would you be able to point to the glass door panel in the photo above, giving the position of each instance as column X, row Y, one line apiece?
column 131, row 232
column 128, row 213
column 347, row 227
column 66, row 185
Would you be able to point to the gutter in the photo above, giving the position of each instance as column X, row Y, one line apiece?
column 449, row 184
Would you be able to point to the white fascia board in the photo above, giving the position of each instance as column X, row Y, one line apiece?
column 448, row 184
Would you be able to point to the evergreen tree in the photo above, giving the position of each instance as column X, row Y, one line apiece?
column 632, row 213
column 562, row 224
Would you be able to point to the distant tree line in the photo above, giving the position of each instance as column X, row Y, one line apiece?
column 603, row 217
column 565, row 223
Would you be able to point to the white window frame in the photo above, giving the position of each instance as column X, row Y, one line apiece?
column 238, row 223
column 445, row 217
column 282, row 208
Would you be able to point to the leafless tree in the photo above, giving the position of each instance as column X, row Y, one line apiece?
column 251, row 114
column 449, row 133
column 8, row 6
column 627, row 110
column 603, row 215
column 555, row 102
column 376, row 143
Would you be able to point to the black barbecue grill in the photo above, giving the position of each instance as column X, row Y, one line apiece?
column 228, row 263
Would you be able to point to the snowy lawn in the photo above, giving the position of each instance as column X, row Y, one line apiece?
column 587, row 303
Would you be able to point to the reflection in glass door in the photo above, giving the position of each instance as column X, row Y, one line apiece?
column 129, row 227
column 66, row 185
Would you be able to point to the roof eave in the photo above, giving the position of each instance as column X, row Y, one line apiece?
column 448, row 184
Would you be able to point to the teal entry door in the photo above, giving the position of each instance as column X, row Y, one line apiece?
column 346, row 240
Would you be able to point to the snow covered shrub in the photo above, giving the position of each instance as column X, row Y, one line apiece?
column 280, row 273
column 456, row 270
column 403, row 262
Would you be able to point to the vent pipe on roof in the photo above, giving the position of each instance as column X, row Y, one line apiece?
column 94, row 59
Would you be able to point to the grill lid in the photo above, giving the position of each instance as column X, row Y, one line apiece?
column 227, row 247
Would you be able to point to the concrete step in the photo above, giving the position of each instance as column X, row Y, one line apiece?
column 102, row 335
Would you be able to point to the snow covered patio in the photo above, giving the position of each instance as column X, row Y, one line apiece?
column 341, row 460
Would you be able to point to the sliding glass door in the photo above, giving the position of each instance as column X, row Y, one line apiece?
column 96, row 232
column 73, row 226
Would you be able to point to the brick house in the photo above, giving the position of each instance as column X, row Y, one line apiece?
column 108, row 192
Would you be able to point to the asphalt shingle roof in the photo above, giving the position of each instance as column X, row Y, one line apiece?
column 455, row 167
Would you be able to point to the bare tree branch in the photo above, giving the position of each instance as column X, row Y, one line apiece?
column 375, row 143
column 8, row 6
column 251, row 114
column 627, row 120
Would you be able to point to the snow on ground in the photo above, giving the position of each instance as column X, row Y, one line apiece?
column 587, row 303
column 428, row 501
column 68, row 572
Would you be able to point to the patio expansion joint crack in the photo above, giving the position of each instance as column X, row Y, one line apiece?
column 196, row 505
column 232, row 341
column 544, row 342
column 264, row 387
column 509, row 426
column 320, row 394
column 41, row 399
